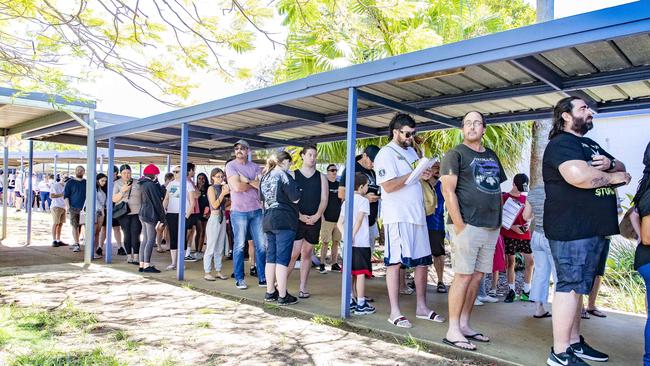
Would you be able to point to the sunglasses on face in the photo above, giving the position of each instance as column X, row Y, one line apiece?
column 332, row 170
column 408, row 134
column 241, row 148
column 176, row 171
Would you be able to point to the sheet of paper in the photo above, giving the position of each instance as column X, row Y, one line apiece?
column 511, row 209
column 423, row 164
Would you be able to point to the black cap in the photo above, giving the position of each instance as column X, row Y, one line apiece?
column 371, row 151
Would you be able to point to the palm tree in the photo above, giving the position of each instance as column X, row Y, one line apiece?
column 372, row 29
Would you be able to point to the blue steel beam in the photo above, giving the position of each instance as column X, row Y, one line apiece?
column 294, row 112
column 51, row 130
column 108, row 254
column 30, row 191
column 91, row 190
column 536, row 68
column 48, row 98
column 606, row 24
column 351, row 144
column 249, row 137
column 180, row 260
column 406, row 108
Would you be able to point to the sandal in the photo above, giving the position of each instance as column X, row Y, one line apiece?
column 455, row 344
column 407, row 291
column 441, row 288
column 545, row 315
column 584, row 314
column 597, row 313
column 304, row 295
column 433, row 316
column 401, row 322
column 220, row 276
column 476, row 336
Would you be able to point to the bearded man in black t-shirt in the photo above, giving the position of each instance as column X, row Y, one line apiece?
column 579, row 213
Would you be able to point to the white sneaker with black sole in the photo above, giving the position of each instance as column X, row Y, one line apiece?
column 241, row 285
column 567, row 358
column 76, row 248
column 586, row 352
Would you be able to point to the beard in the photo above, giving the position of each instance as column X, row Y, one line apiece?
column 582, row 125
column 405, row 143
column 79, row 176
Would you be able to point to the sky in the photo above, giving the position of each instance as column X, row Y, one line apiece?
column 114, row 95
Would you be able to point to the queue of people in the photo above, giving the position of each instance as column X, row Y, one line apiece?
column 561, row 227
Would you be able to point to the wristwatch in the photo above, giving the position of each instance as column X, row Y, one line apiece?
column 612, row 164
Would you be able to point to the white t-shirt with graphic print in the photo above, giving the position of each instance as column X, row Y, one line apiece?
column 407, row 203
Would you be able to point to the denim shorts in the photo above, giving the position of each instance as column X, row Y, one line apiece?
column 577, row 263
column 279, row 246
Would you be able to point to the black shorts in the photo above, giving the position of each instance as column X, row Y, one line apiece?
column 576, row 262
column 310, row 233
column 192, row 221
column 116, row 223
column 437, row 242
column 361, row 263
column 514, row 246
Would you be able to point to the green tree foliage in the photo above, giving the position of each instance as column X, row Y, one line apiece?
column 47, row 45
column 330, row 34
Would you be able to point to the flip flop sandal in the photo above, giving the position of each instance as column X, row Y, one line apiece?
column 304, row 295
column 401, row 322
column 455, row 344
column 433, row 316
column 407, row 291
column 441, row 288
column 475, row 337
column 597, row 313
column 221, row 277
column 545, row 315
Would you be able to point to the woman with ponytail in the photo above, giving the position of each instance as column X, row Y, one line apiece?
column 280, row 194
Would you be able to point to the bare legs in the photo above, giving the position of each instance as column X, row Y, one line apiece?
column 566, row 320
column 462, row 295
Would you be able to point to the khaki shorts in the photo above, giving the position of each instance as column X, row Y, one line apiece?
column 473, row 249
column 329, row 232
column 58, row 215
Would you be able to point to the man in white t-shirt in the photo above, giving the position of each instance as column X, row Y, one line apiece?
column 172, row 204
column 57, row 207
column 404, row 219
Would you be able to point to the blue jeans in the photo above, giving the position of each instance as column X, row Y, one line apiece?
column 241, row 222
column 45, row 197
column 644, row 271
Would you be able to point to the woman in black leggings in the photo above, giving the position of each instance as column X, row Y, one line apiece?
column 126, row 190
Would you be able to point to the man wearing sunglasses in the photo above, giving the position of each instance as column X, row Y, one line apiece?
column 329, row 231
column 404, row 219
column 246, row 212
column 471, row 176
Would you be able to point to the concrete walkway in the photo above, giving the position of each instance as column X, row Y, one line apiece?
column 517, row 338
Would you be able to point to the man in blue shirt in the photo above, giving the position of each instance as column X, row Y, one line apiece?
column 74, row 194
column 436, row 227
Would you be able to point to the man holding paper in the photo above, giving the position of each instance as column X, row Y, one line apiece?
column 471, row 176
column 402, row 212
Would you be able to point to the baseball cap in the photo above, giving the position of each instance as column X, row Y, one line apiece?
column 371, row 151
column 243, row 143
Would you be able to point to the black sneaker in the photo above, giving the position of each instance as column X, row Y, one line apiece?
column 55, row 244
column 99, row 251
column 121, row 251
column 253, row 271
column 151, row 269
column 140, row 269
column 271, row 297
column 321, row 269
column 287, row 300
column 567, row 358
column 511, row 296
column 335, row 267
column 261, row 283
column 411, row 285
column 586, row 352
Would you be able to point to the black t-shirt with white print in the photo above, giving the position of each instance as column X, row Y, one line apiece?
column 572, row 213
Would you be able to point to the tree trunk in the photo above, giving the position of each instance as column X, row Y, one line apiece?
column 541, row 128
column 539, row 141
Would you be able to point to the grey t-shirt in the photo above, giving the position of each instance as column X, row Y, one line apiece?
column 536, row 198
column 134, row 200
column 480, row 175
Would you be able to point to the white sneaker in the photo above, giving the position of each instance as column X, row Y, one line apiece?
column 489, row 299
column 478, row 302
column 170, row 267
column 76, row 248
column 297, row 265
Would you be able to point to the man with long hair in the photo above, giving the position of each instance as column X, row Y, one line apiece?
column 579, row 214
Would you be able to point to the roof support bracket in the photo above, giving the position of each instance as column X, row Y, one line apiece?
column 78, row 119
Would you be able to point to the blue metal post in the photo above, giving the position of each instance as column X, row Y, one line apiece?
column 30, row 191
column 91, row 190
column 5, row 183
column 346, row 279
column 180, row 267
column 169, row 163
column 108, row 254
column 55, row 164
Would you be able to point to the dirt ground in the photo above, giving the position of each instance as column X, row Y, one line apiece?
column 139, row 321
